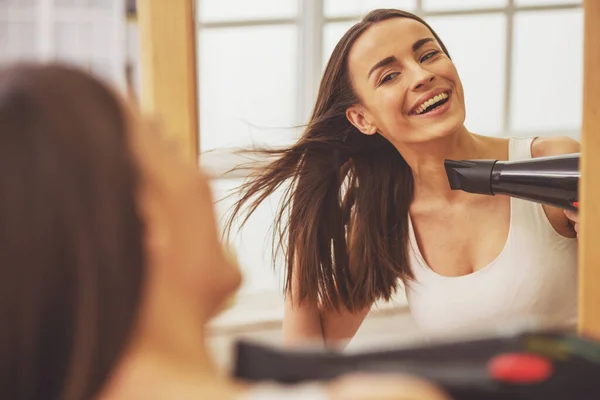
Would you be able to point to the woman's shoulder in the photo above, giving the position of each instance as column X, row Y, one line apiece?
column 494, row 146
column 540, row 146
column 552, row 146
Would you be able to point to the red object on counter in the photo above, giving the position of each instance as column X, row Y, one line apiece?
column 520, row 368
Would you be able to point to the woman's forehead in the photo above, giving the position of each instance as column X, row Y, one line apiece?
column 385, row 38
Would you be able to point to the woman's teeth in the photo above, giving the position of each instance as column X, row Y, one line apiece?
column 430, row 102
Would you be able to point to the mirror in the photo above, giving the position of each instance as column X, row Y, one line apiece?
column 246, row 95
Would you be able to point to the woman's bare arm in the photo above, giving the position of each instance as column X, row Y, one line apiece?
column 552, row 146
column 305, row 324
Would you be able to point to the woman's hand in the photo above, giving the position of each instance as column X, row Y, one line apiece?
column 573, row 216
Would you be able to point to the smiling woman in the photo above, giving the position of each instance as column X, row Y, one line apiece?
column 370, row 207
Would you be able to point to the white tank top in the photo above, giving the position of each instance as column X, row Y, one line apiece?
column 534, row 278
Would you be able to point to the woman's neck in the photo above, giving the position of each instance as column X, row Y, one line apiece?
column 167, row 355
column 151, row 371
column 427, row 163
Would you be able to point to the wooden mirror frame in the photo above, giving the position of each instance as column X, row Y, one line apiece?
column 589, row 235
column 167, row 31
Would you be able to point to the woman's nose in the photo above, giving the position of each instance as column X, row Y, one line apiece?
column 423, row 78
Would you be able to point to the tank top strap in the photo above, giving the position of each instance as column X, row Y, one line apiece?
column 519, row 148
column 524, row 213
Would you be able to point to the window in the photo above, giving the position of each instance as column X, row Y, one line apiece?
column 253, row 243
column 248, row 91
column 463, row 5
column 88, row 33
column 18, row 31
column 234, row 10
column 472, row 54
column 547, row 71
column 260, row 64
column 353, row 8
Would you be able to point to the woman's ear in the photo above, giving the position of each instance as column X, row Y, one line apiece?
column 357, row 116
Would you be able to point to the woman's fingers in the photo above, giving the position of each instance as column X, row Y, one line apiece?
column 573, row 216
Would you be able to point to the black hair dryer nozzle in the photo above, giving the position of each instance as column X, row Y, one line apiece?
column 547, row 180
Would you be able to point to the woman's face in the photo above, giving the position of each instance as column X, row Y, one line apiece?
column 409, row 89
column 182, row 239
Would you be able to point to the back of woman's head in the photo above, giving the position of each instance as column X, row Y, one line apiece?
column 345, row 213
column 70, row 237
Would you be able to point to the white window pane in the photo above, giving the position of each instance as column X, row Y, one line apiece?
column 480, row 60
column 66, row 40
column 22, row 4
column 332, row 33
column 103, row 70
column 84, row 39
column 247, row 86
column 22, row 40
column 4, row 41
column 547, row 71
column 435, row 5
column 253, row 243
column 27, row 43
column 102, row 39
column 220, row 10
column 338, row 8
column 545, row 2
column 102, row 4
column 67, row 3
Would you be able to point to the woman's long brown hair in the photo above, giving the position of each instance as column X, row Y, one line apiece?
column 343, row 219
column 71, row 254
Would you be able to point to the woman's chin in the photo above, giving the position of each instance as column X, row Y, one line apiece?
column 442, row 129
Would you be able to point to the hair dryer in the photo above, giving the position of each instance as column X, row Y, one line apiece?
column 548, row 180
column 528, row 365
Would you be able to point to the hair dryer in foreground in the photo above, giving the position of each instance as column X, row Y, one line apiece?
column 530, row 365
column 548, row 180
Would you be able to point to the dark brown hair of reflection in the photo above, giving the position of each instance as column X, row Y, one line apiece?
column 71, row 260
column 343, row 220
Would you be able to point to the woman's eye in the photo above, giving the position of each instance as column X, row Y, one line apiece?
column 429, row 55
column 389, row 77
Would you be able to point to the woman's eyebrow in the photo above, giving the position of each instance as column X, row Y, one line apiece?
column 419, row 43
column 388, row 60
column 382, row 63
